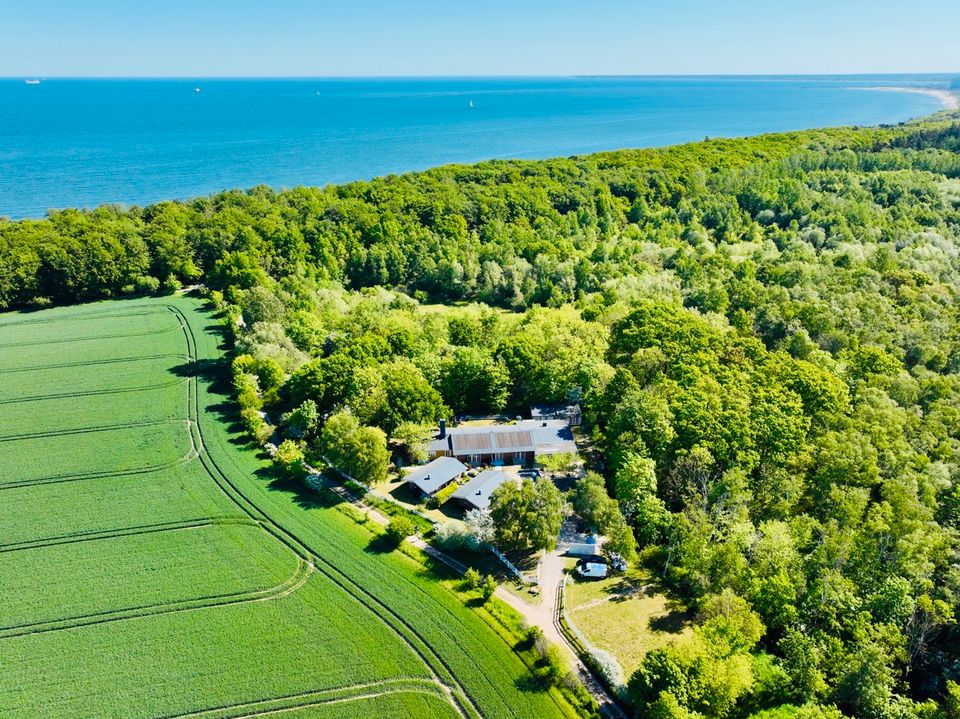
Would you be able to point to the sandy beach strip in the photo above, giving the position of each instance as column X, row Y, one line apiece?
column 950, row 100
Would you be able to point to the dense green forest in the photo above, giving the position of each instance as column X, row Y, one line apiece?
column 764, row 334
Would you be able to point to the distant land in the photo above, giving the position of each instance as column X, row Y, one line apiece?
column 84, row 142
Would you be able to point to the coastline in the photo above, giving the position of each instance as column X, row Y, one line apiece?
column 949, row 100
column 360, row 130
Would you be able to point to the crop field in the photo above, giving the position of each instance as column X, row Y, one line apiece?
column 117, row 377
column 33, row 512
column 151, row 568
column 57, row 457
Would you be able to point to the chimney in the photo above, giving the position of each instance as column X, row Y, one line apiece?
column 443, row 428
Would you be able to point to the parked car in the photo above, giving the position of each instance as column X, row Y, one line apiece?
column 592, row 570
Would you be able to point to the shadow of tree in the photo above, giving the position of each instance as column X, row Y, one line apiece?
column 381, row 544
column 672, row 622
column 531, row 683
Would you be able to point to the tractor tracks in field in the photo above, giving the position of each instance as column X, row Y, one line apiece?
column 317, row 698
column 114, row 360
column 92, row 392
column 300, row 577
column 84, row 476
column 94, row 535
column 88, row 430
column 88, row 315
column 96, row 338
column 440, row 670
column 443, row 681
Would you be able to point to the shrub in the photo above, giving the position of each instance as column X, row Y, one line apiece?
column 607, row 666
column 471, row 578
column 263, row 432
column 452, row 538
column 216, row 299
column 146, row 285
column 533, row 638
column 443, row 495
column 400, row 528
column 170, row 285
column 552, row 668
column 247, row 389
column 290, row 458
column 488, row 587
column 255, row 426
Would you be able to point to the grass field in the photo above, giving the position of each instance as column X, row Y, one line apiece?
column 152, row 567
column 602, row 610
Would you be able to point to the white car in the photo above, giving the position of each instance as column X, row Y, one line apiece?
column 592, row 570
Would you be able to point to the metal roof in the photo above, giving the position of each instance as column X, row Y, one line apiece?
column 435, row 475
column 478, row 490
column 539, row 436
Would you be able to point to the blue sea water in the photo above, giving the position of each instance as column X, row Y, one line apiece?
column 67, row 142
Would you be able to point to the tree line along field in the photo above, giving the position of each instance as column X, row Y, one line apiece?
column 149, row 570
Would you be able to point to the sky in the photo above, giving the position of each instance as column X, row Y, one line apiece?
column 202, row 38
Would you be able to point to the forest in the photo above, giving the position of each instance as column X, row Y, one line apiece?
column 763, row 333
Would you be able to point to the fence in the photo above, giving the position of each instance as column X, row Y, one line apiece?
column 522, row 576
column 377, row 495
column 584, row 649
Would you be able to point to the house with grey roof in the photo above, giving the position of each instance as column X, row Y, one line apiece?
column 504, row 444
column 433, row 476
column 475, row 494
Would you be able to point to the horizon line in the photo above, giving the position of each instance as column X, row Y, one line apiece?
column 479, row 76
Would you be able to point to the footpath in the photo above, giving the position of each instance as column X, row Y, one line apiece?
column 545, row 614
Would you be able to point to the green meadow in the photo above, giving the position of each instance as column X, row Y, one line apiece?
column 152, row 567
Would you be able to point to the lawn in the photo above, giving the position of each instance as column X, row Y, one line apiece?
column 143, row 579
column 626, row 615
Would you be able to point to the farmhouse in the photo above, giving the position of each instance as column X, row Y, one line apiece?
column 475, row 494
column 433, row 476
column 503, row 444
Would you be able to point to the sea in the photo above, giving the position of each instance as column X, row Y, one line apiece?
column 86, row 142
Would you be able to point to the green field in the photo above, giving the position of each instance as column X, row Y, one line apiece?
column 153, row 568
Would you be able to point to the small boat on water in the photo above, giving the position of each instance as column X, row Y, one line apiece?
column 471, row 103
column 32, row 81
column 196, row 89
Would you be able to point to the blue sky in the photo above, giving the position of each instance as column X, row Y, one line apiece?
column 464, row 37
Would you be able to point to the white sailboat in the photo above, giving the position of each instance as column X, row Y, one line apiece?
column 32, row 81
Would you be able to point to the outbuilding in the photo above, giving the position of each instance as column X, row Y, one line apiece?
column 475, row 494
column 433, row 476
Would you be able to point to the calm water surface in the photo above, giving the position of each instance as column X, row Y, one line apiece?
column 80, row 143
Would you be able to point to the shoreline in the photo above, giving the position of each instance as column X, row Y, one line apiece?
column 949, row 100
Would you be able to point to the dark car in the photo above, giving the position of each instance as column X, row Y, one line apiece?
column 618, row 563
